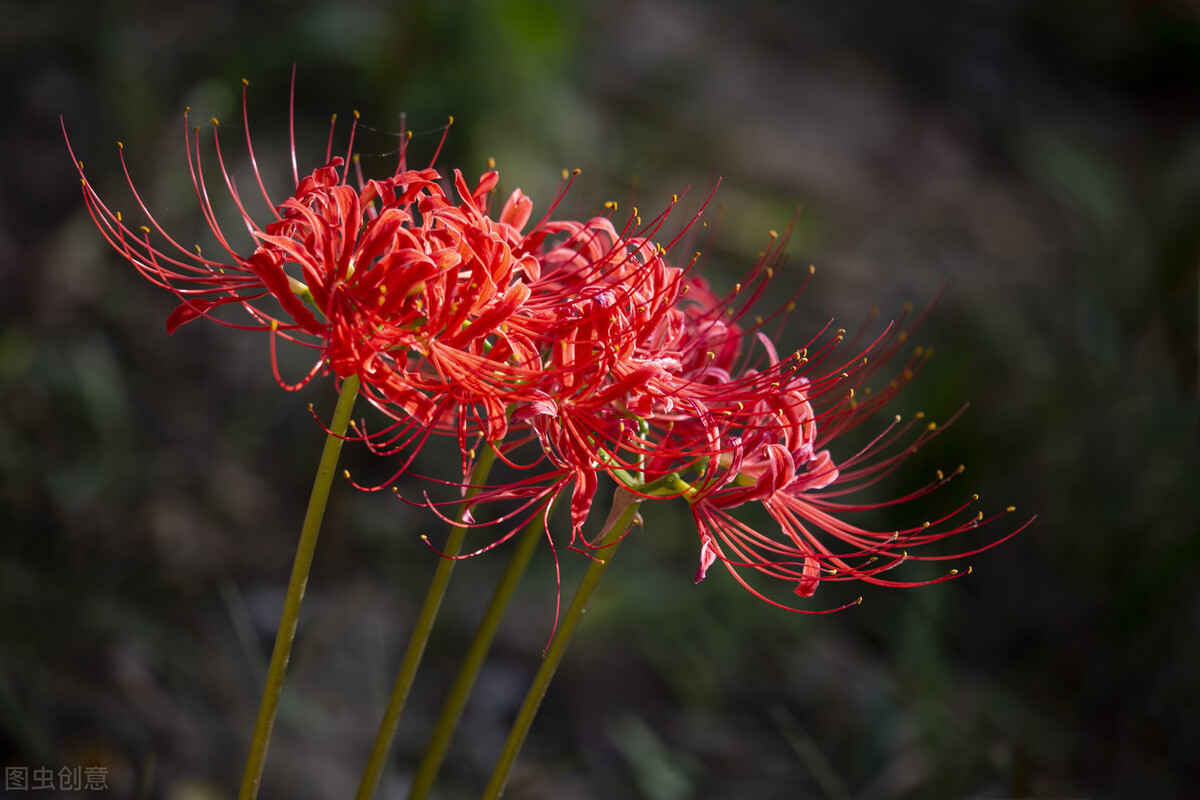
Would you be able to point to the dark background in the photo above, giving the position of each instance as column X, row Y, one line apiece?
column 1040, row 159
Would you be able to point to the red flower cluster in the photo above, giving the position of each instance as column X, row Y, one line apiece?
column 576, row 338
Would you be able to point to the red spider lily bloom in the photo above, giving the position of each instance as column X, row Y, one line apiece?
column 390, row 280
column 791, row 472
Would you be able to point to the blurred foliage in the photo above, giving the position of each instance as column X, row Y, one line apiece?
column 1038, row 160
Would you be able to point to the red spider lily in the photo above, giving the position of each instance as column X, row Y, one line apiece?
column 390, row 280
column 792, row 473
column 576, row 335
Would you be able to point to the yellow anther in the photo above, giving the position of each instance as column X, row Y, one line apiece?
column 852, row 393
column 758, row 320
column 974, row 497
column 346, row 474
column 674, row 198
column 920, row 415
column 902, row 336
column 121, row 145
column 917, row 351
column 790, row 307
column 245, row 82
column 274, row 325
column 1011, row 509
column 924, row 525
column 770, row 273
column 979, row 517
column 812, row 269
column 565, row 174
column 897, row 419
column 931, row 426
column 491, row 162
column 144, row 229
column 737, row 287
column 940, row 475
column 610, row 204
column 773, row 234
column 450, row 120
column 356, row 115
column 953, row 572
column 961, row 468
column 118, row 216
column 215, row 121
column 576, row 171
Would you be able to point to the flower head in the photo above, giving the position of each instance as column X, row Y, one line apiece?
column 418, row 293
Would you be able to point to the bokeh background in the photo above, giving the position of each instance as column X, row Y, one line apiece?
column 1039, row 160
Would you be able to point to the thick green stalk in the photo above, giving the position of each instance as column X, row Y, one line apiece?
column 419, row 638
column 456, row 700
column 625, row 506
column 301, row 566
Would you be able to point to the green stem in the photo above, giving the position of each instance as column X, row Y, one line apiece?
column 419, row 638
column 456, row 700
column 625, row 506
column 301, row 566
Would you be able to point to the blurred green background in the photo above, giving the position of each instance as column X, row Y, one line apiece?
column 1040, row 159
